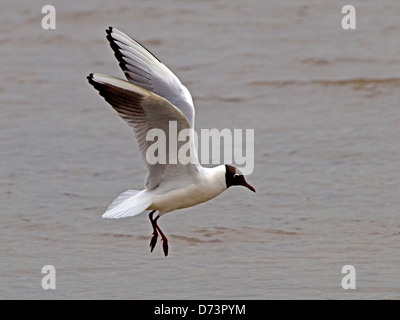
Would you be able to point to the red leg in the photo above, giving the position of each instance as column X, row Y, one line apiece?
column 153, row 240
column 163, row 237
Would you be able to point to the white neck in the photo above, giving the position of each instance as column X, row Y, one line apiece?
column 216, row 177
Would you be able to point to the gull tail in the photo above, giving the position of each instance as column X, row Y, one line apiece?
column 128, row 204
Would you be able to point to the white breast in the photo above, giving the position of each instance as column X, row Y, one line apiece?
column 209, row 184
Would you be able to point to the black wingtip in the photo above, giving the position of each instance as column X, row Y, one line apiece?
column 116, row 48
column 90, row 80
column 90, row 77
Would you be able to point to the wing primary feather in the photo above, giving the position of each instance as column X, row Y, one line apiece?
column 150, row 98
column 115, row 47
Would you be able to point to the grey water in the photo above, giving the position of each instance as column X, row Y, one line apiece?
column 324, row 104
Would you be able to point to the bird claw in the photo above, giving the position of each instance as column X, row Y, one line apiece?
column 157, row 229
column 153, row 241
column 165, row 246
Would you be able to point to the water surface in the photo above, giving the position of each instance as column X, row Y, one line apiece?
column 324, row 104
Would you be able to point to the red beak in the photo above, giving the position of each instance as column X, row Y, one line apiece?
column 249, row 186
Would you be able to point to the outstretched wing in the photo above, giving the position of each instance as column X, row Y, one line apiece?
column 142, row 68
column 143, row 111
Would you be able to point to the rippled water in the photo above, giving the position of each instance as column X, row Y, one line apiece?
column 324, row 104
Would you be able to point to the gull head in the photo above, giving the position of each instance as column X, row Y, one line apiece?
column 234, row 177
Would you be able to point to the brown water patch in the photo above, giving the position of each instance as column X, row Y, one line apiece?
column 358, row 82
column 191, row 240
column 117, row 235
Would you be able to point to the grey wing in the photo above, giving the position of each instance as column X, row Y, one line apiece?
column 143, row 111
column 142, row 68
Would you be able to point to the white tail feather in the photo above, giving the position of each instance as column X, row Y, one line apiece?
column 128, row 204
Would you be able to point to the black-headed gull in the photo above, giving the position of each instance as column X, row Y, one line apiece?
column 151, row 98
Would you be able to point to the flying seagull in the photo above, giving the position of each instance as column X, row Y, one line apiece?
column 151, row 98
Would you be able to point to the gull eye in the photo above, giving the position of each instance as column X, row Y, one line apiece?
column 236, row 176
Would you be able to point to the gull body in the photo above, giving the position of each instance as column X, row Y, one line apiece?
column 151, row 98
column 205, row 186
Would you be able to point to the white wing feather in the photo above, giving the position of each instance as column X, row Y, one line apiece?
column 143, row 111
column 142, row 68
column 128, row 204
